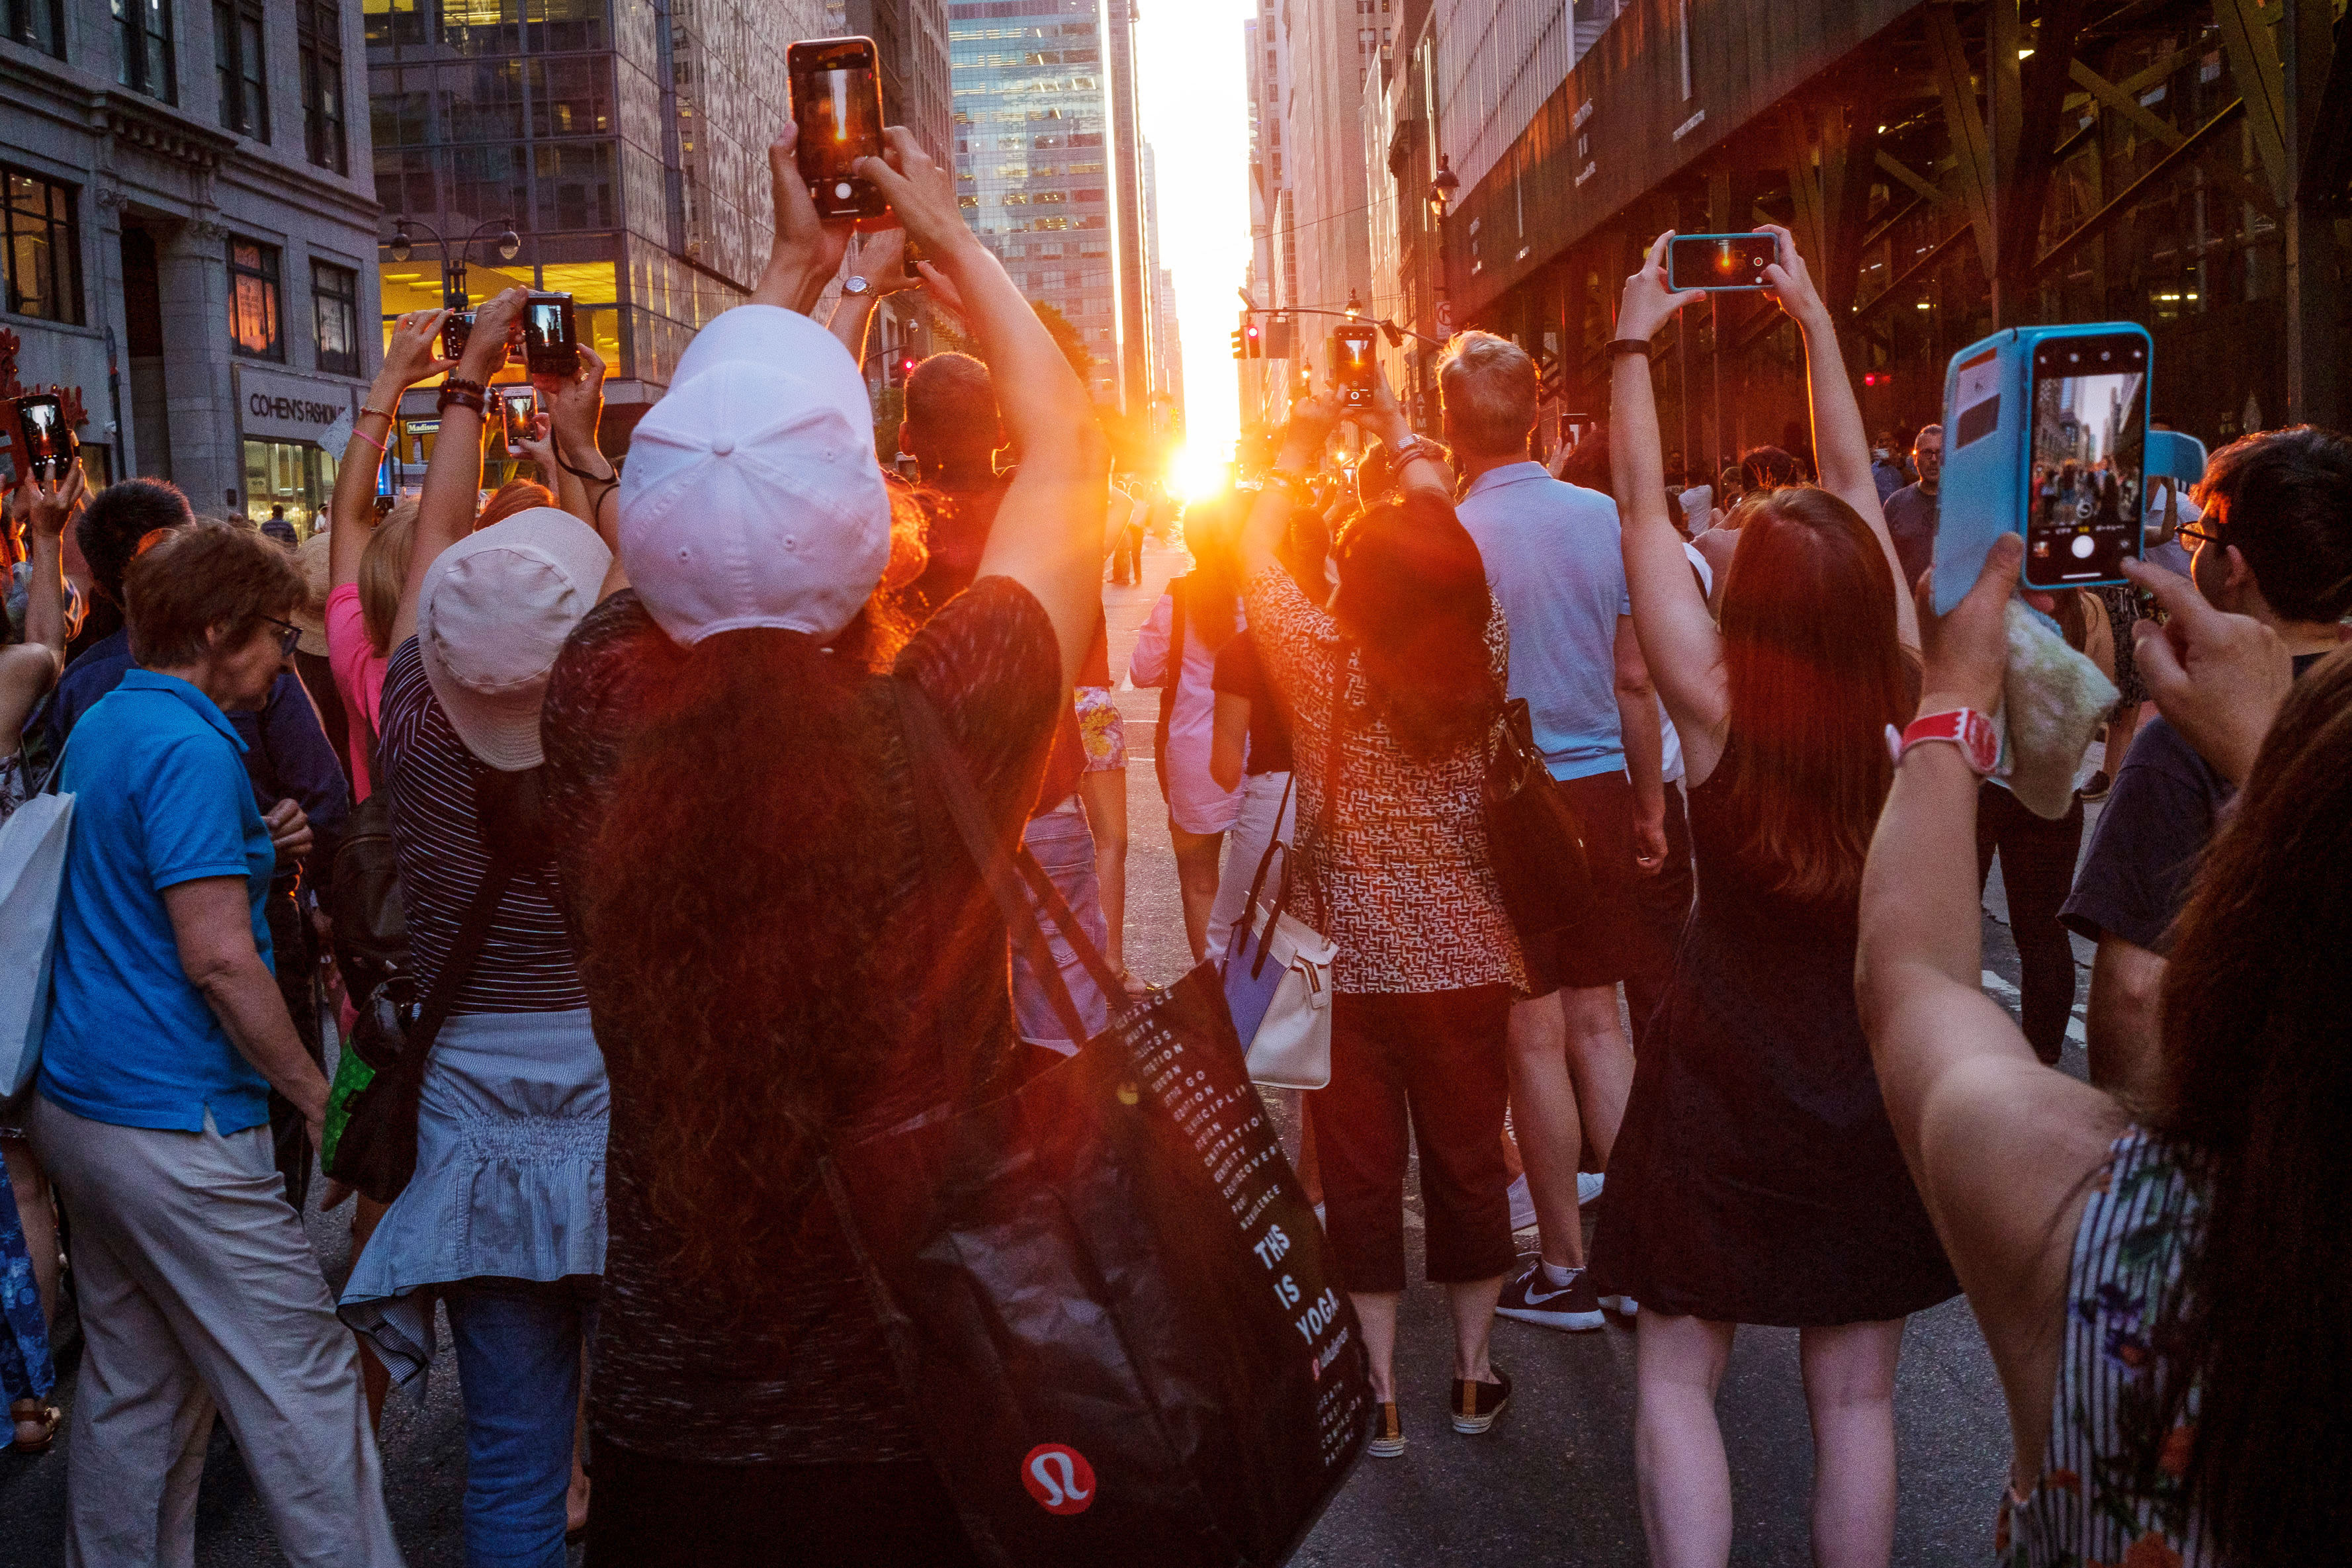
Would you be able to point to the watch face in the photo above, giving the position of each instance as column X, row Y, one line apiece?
column 854, row 286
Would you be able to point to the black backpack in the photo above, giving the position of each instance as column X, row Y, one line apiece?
column 364, row 897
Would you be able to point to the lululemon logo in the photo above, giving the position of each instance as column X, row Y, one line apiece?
column 1059, row 1478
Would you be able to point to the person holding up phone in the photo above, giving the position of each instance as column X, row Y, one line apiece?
column 1756, row 1179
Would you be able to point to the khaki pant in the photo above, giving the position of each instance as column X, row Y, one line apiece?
column 200, row 1295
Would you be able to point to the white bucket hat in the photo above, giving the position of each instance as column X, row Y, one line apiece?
column 495, row 611
column 751, row 496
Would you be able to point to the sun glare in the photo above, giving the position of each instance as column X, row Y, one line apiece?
column 1197, row 470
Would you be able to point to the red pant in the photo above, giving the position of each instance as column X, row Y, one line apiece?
column 1439, row 1059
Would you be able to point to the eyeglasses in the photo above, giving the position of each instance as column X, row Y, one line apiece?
column 2197, row 535
column 293, row 636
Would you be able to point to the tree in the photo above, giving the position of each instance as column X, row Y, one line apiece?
column 1066, row 337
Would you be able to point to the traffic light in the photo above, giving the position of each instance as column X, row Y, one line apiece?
column 1255, row 337
column 1239, row 351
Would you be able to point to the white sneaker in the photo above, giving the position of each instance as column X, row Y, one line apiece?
column 1623, row 1306
column 1523, row 1204
column 1588, row 1186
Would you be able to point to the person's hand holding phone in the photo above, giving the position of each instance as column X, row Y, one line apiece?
column 2218, row 678
column 413, row 353
column 1793, row 284
column 539, row 447
column 807, row 250
column 923, row 194
column 575, row 408
column 1966, row 653
column 1647, row 304
column 497, row 326
column 945, row 295
column 880, row 255
column 1312, row 418
column 46, row 506
column 1384, row 420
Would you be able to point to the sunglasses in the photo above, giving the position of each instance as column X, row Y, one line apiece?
column 286, row 644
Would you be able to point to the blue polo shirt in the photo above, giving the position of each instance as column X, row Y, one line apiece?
column 161, row 798
column 1554, row 562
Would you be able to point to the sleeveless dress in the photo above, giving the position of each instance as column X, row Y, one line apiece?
column 2089, row 1504
column 1756, row 1178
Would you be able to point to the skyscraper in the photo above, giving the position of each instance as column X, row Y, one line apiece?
column 1034, row 163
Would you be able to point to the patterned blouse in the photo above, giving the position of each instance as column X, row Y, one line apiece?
column 2088, row 1507
column 1399, row 877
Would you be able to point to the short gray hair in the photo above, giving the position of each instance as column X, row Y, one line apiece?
column 1490, row 389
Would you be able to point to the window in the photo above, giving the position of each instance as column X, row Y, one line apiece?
column 43, row 248
column 253, row 299
column 319, row 35
column 143, row 48
column 335, row 305
column 40, row 23
column 244, row 77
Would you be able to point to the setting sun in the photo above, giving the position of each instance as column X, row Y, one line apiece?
column 1198, row 468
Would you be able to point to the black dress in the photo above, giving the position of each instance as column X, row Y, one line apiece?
column 1756, row 1178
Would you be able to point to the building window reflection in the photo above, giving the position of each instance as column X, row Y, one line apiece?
column 253, row 300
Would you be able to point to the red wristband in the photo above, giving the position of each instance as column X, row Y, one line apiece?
column 1972, row 732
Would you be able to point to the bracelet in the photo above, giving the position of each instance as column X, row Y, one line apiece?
column 1629, row 346
column 463, row 393
column 386, row 415
column 1419, row 449
column 360, row 435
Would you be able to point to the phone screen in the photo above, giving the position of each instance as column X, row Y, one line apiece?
column 41, row 419
column 1353, row 365
column 2085, row 474
column 1720, row 260
column 548, row 344
column 838, row 105
column 521, row 410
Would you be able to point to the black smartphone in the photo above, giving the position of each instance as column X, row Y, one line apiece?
column 50, row 449
column 457, row 330
column 1720, row 260
column 519, row 409
column 2085, row 455
column 1354, row 366
column 838, row 105
column 548, row 346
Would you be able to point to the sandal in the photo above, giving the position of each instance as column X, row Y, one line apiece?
column 1133, row 986
column 26, row 1412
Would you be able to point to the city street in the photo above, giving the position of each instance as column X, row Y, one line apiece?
column 1552, row 1484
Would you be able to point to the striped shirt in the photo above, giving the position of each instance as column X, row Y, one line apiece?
column 525, row 966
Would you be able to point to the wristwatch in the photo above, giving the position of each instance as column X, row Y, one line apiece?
column 1419, row 446
column 855, row 283
column 1972, row 732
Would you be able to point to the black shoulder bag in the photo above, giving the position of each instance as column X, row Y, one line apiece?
column 1534, row 840
column 1171, row 679
column 364, row 902
column 370, row 1137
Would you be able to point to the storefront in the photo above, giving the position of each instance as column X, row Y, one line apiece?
column 280, row 419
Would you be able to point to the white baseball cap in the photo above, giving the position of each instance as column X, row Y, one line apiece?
column 495, row 611
column 751, row 496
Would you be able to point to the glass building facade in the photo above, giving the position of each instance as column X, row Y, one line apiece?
column 1033, row 129
column 625, row 140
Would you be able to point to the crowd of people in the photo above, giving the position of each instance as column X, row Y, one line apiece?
column 679, row 920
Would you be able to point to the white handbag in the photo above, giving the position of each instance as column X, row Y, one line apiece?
column 32, row 873
column 1277, row 979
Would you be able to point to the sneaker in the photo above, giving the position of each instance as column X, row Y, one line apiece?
column 1588, row 1186
column 1623, row 1306
column 1388, row 1433
column 1523, row 1204
column 1532, row 1298
column 1475, row 1403
column 2096, row 787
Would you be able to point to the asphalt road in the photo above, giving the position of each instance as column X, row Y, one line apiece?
column 1553, row 1483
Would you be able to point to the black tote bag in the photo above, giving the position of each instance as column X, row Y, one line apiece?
column 1105, row 1290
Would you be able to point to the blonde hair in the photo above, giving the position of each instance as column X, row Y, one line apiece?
column 383, row 572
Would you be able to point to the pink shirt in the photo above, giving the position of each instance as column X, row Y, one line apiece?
column 359, row 676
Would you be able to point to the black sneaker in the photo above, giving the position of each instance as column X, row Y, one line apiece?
column 2096, row 787
column 1532, row 1298
column 1388, row 1432
column 1475, row 1403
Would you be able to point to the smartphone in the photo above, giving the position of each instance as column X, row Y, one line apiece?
column 457, row 330
column 838, row 105
column 519, row 406
column 51, row 448
column 2045, row 435
column 1354, row 367
column 1720, row 261
column 2087, row 454
column 548, row 346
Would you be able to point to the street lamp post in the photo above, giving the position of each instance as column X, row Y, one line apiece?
column 453, row 275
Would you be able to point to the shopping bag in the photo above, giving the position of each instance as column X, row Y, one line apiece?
column 32, row 875
column 1105, row 1293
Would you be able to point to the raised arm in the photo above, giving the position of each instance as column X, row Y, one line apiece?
column 575, row 410
column 880, row 259
column 1680, row 643
column 1840, row 447
column 1999, row 1144
column 453, row 480
column 47, row 507
column 414, row 354
column 1311, row 419
column 1047, row 535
